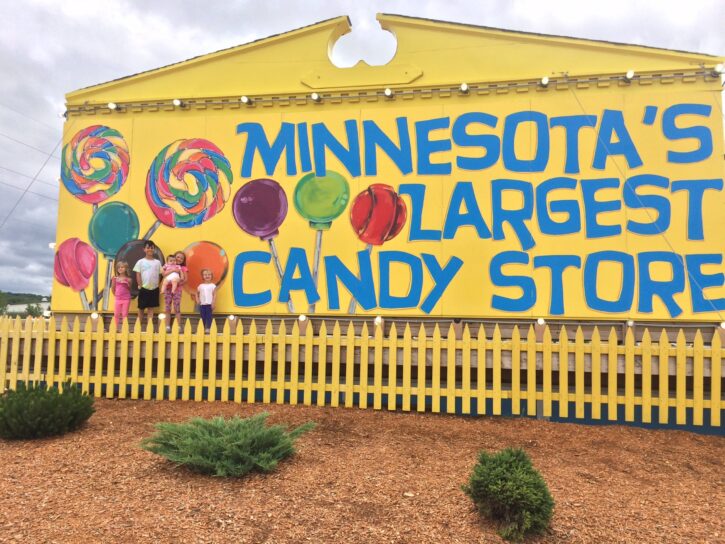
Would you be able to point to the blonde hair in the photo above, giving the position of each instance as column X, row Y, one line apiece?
column 207, row 270
column 124, row 263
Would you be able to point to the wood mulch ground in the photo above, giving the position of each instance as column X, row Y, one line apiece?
column 360, row 476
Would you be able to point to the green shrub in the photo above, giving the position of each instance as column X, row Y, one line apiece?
column 507, row 488
column 225, row 447
column 34, row 411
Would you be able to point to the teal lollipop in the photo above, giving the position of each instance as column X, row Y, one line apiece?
column 321, row 200
column 113, row 225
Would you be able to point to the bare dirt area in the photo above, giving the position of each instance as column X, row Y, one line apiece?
column 360, row 476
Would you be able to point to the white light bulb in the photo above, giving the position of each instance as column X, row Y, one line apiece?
column 629, row 75
column 245, row 100
column 388, row 92
column 51, row 245
column 544, row 81
column 464, row 88
column 541, row 321
column 378, row 321
column 112, row 106
column 232, row 317
column 176, row 102
column 162, row 316
column 630, row 323
column 315, row 97
column 302, row 317
column 94, row 315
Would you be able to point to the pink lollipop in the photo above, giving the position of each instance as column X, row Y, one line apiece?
column 74, row 264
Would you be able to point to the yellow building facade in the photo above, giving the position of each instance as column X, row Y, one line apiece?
column 481, row 173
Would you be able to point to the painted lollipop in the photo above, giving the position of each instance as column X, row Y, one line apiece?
column 74, row 264
column 259, row 208
column 113, row 225
column 320, row 200
column 94, row 166
column 187, row 184
column 201, row 255
column 131, row 252
column 377, row 215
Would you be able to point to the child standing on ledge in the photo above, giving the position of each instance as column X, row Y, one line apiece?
column 206, row 297
column 121, row 289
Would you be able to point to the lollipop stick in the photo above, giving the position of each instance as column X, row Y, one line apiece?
column 316, row 267
column 95, row 272
column 107, row 290
column 151, row 231
column 84, row 301
column 278, row 267
column 353, row 303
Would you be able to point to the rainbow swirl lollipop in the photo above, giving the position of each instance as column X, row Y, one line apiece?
column 187, row 184
column 320, row 200
column 94, row 164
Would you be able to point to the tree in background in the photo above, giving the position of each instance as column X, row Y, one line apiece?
column 34, row 310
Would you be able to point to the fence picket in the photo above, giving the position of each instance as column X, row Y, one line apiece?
column 364, row 363
column 136, row 359
column 715, row 377
column 322, row 365
column 110, row 378
column 629, row 375
column 335, row 377
column 563, row 396
column 407, row 366
column 148, row 361
column 496, row 392
column 392, row 389
column 350, row 365
column 531, row 387
column 15, row 352
column 436, row 370
column 663, row 369
column 160, row 361
column 420, row 389
column 63, row 351
column 174, row 342
column 50, row 375
column 238, row 361
column 547, row 378
column 252, row 363
column 612, row 354
column 27, row 340
column 579, row 373
column 267, row 370
column 199, row 363
column 226, row 350
column 38, row 339
column 378, row 368
column 516, row 371
column 211, row 341
column 186, row 363
column 697, row 379
column 481, row 368
column 307, row 398
column 294, row 363
column 596, row 343
column 281, row 361
column 4, row 342
column 123, row 360
column 681, row 394
column 646, row 377
column 466, row 371
column 451, row 370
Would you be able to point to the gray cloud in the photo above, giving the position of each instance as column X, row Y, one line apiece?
column 49, row 48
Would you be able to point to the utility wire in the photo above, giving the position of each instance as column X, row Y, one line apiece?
column 28, row 191
column 51, row 154
column 28, row 116
column 27, row 176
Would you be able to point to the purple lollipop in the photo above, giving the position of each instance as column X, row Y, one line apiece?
column 259, row 208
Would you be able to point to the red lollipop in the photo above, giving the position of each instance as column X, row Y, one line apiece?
column 74, row 264
column 377, row 215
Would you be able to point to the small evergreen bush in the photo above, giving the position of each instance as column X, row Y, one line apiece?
column 507, row 488
column 225, row 447
column 34, row 411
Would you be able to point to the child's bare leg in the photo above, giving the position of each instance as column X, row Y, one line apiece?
column 174, row 285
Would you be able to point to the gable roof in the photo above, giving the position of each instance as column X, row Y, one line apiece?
column 429, row 53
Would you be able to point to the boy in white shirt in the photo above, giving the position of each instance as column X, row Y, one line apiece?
column 148, row 272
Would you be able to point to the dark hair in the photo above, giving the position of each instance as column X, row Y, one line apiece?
column 149, row 243
column 171, row 256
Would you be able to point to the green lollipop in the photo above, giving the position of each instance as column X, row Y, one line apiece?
column 320, row 200
column 113, row 225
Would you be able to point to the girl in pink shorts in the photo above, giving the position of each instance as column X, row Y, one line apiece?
column 121, row 289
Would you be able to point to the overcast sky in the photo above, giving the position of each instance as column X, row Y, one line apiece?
column 48, row 48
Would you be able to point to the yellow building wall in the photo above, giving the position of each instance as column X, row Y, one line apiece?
column 686, row 289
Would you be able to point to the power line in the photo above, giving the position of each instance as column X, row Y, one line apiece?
column 26, row 190
column 47, row 159
column 27, row 116
column 31, row 146
column 27, row 176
